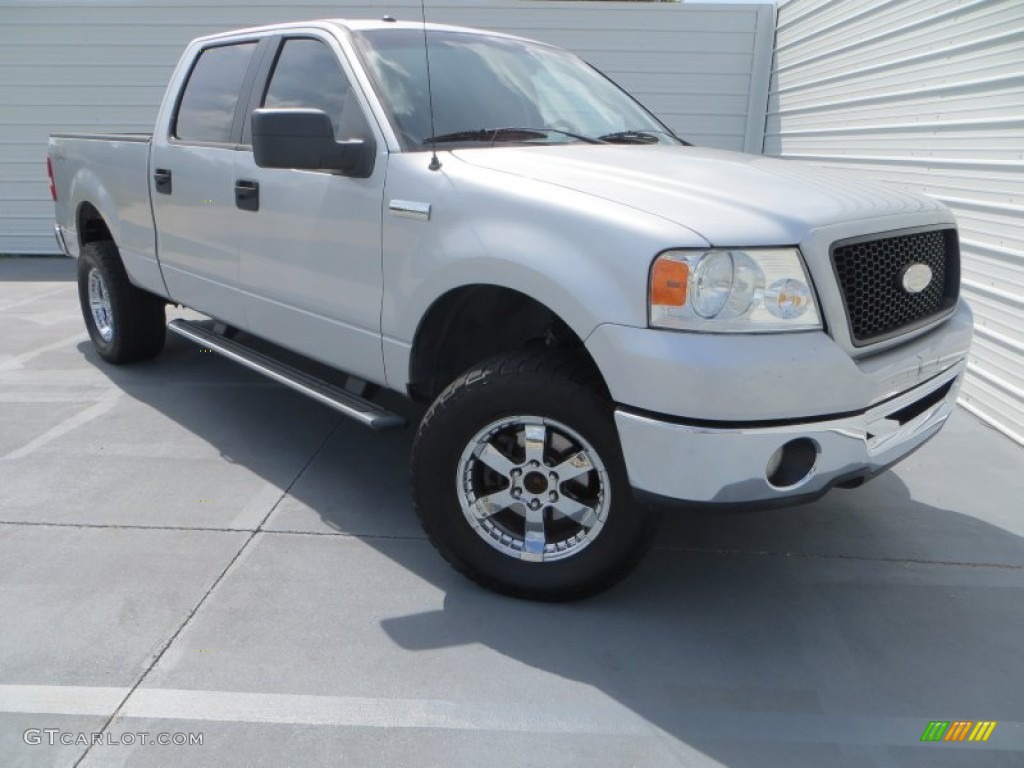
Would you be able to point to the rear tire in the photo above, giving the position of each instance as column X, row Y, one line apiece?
column 125, row 323
column 519, row 480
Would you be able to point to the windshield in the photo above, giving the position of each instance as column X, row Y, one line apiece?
column 492, row 89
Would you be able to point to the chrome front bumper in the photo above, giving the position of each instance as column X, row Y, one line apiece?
column 731, row 465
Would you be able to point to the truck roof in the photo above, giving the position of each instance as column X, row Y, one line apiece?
column 356, row 25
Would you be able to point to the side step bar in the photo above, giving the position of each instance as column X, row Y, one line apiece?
column 366, row 413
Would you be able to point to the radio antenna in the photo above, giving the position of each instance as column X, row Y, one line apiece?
column 435, row 164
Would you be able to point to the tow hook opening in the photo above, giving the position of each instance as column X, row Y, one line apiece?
column 792, row 464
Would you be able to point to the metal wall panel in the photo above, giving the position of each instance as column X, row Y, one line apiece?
column 101, row 65
column 929, row 95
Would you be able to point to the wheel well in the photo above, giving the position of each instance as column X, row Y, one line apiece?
column 472, row 323
column 91, row 226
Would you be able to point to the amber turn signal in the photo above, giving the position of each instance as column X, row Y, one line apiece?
column 668, row 282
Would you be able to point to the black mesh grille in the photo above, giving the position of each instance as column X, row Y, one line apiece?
column 870, row 276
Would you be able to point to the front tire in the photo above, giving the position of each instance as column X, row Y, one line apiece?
column 519, row 480
column 125, row 323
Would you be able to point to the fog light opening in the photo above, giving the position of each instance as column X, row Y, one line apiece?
column 792, row 464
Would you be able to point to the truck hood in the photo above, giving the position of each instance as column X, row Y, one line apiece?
column 728, row 198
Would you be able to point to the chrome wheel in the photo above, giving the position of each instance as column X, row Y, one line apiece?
column 99, row 305
column 533, row 488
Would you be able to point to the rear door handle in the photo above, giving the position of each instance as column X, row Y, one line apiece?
column 247, row 194
column 162, row 178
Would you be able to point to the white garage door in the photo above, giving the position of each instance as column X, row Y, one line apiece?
column 928, row 94
column 101, row 65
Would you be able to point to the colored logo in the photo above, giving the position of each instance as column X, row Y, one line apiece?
column 958, row 730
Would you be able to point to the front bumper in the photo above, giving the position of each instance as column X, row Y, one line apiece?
column 710, row 464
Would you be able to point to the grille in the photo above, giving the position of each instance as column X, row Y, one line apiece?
column 870, row 273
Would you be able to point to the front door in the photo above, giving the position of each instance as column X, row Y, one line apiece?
column 310, row 241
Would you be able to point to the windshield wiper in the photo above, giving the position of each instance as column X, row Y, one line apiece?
column 491, row 135
column 639, row 136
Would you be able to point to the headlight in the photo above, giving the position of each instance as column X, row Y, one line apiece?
column 740, row 291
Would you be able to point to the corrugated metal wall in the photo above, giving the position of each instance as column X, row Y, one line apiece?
column 928, row 94
column 101, row 65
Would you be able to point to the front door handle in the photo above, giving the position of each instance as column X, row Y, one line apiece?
column 247, row 194
column 162, row 179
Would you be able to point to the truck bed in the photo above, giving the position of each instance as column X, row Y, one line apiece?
column 111, row 169
column 144, row 137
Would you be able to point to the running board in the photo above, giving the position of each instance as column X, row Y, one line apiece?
column 366, row 413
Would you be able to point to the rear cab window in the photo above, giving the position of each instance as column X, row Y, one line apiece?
column 207, row 109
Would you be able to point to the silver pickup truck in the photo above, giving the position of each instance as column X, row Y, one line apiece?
column 603, row 319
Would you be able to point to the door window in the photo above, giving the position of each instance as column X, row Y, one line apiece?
column 207, row 106
column 307, row 75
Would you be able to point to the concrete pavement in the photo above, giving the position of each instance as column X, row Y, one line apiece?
column 186, row 548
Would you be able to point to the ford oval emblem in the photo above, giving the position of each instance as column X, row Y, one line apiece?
column 916, row 278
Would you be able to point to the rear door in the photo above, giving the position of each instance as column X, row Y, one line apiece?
column 192, row 181
column 310, row 250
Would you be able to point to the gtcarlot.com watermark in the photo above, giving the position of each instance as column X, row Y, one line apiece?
column 55, row 736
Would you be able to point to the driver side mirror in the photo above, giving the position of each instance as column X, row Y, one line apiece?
column 304, row 139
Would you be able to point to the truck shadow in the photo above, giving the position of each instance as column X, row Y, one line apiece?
column 831, row 632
